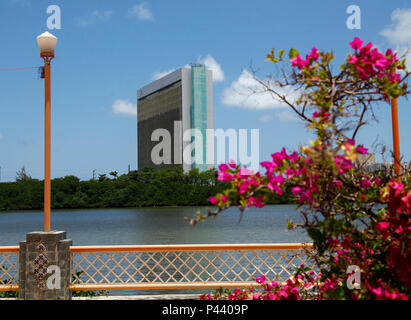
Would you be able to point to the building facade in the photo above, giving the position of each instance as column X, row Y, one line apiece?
column 180, row 101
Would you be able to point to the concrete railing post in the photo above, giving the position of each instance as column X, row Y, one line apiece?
column 45, row 266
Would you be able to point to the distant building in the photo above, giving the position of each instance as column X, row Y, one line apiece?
column 387, row 167
column 181, row 100
column 366, row 159
column 368, row 163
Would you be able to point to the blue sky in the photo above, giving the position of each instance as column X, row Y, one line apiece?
column 108, row 49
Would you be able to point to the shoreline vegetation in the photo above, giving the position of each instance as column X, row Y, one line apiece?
column 143, row 188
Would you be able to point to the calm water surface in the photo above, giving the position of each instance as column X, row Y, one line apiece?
column 156, row 226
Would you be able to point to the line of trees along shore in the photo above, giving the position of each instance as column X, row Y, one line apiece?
column 144, row 188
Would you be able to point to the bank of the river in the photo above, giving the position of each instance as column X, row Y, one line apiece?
column 144, row 188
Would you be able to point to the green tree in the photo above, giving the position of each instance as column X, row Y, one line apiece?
column 22, row 175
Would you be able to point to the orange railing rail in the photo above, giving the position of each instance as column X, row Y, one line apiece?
column 9, row 268
column 183, row 266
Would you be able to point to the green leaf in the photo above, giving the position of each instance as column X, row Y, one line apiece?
column 318, row 238
column 280, row 53
column 293, row 53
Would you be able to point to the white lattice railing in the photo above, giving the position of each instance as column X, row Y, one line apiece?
column 183, row 266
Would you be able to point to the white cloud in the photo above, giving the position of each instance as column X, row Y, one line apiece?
column 400, row 30
column 248, row 93
column 94, row 17
column 142, row 12
column 399, row 33
column 102, row 15
column 266, row 118
column 124, row 107
column 287, row 116
column 284, row 116
column 214, row 66
column 208, row 61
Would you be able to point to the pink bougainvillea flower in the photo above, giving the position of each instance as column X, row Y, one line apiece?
column 353, row 59
column 256, row 202
column 244, row 172
column 299, row 62
column 356, row 43
column 378, row 292
column 406, row 201
column 293, row 157
column 275, row 183
column 382, row 63
column 314, row 54
column 279, row 157
column 243, row 187
column 351, row 141
column 290, row 173
column 343, row 164
column 296, row 190
column 260, row 279
column 275, row 187
column 223, row 167
column 362, row 150
column 232, row 164
column 306, row 197
column 394, row 77
column 366, row 49
column 224, row 176
column 389, row 52
column 383, row 227
column 365, row 183
column 256, row 296
column 212, row 200
column 268, row 165
column 397, row 187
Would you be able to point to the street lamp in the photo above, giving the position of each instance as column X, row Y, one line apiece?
column 47, row 43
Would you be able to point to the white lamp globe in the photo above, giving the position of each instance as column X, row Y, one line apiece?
column 47, row 42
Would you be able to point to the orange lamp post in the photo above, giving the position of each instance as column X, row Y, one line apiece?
column 47, row 43
column 396, row 136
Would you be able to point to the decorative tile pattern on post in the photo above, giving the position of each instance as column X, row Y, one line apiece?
column 40, row 266
column 45, row 266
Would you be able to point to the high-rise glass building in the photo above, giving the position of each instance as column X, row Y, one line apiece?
column 177, row 102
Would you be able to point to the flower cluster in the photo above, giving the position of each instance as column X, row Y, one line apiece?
column 392, row 243
column 366, row 64
column 309, row 59
column 295, row 288
column 341, row 202
column 322, row 115
column 248, row 187
column 394, row 226
column 370, row 62
column 245, row 183
column 396, row 229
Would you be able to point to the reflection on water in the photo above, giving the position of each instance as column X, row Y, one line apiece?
column 156, row 226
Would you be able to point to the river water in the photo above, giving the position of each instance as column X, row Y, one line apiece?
column 139, row 226
column 156, row 226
